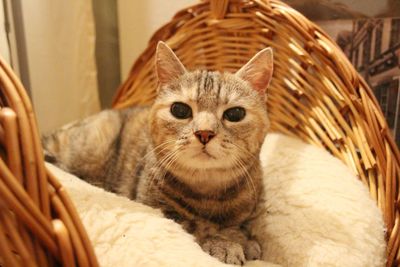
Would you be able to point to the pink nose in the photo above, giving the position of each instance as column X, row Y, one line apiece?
column 204, row 136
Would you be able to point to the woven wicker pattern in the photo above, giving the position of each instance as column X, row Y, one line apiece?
column 38, row 223
column 316, row 94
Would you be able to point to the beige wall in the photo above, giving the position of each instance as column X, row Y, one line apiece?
column 138, row 20
column 4, row 51
column 60, row 47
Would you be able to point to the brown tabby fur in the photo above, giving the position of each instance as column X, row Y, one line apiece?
column 149, row 155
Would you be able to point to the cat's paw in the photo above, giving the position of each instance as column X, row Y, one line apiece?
column 252, row 250
column 224, row 250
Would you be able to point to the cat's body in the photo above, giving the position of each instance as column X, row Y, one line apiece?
column 111, row 158
column 193, row 153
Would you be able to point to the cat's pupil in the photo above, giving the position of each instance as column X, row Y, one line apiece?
column 181, row 110
column 234, row 114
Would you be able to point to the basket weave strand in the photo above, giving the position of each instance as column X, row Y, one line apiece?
column 316, row 94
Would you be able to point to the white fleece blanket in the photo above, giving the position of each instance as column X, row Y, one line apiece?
column 314, row 213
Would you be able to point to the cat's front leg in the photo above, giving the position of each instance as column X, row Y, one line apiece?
column 224, row 249
column 230, row 245
column 251, row 248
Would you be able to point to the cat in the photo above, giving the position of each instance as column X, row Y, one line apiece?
column 194, row 153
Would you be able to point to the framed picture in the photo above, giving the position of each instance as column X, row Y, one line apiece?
column 373, row 46
column 368, row 31
column 318, row 10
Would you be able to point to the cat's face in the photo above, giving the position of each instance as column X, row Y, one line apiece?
column 209, row 120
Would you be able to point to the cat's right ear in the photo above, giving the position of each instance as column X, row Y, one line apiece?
column 258, row 71
column 168, row 66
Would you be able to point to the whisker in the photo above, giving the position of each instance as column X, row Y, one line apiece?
column 244, row 151
column 159, row 165
column 170, row 163
column 247, row 175
column 167, row 142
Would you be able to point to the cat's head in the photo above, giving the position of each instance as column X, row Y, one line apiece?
column 209, row 120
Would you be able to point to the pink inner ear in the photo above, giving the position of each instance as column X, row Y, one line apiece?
column 260, row 80
column 258, row 71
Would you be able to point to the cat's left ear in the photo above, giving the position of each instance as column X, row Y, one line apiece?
column 168, row 66
column 258, row 71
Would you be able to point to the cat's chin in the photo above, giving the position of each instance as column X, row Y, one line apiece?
column 203, row 158
column 203, row 162
column 205, row 155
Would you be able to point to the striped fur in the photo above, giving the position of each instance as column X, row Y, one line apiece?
column 149, row 155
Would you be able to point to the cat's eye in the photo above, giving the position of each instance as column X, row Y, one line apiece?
column 234, row 114
column 181, row 110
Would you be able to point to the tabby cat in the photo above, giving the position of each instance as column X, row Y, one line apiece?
column 194, row 153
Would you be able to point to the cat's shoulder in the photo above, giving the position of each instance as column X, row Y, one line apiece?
column 112, row 119
column 135, row 114
column 132, row 111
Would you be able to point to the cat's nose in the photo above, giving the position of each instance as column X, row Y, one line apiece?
column 204, row 136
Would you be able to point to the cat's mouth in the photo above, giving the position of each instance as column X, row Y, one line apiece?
column 205, row 153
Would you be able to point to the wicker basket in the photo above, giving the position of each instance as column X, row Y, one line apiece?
column 38, row 223
column 315, row 94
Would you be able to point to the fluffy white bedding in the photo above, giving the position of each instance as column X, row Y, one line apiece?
column 314, row 213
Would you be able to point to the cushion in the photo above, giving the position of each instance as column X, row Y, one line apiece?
column 127, row 233
column 314, row 213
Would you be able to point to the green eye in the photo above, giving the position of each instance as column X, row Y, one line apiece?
column 181, row 110
column 234, row 114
